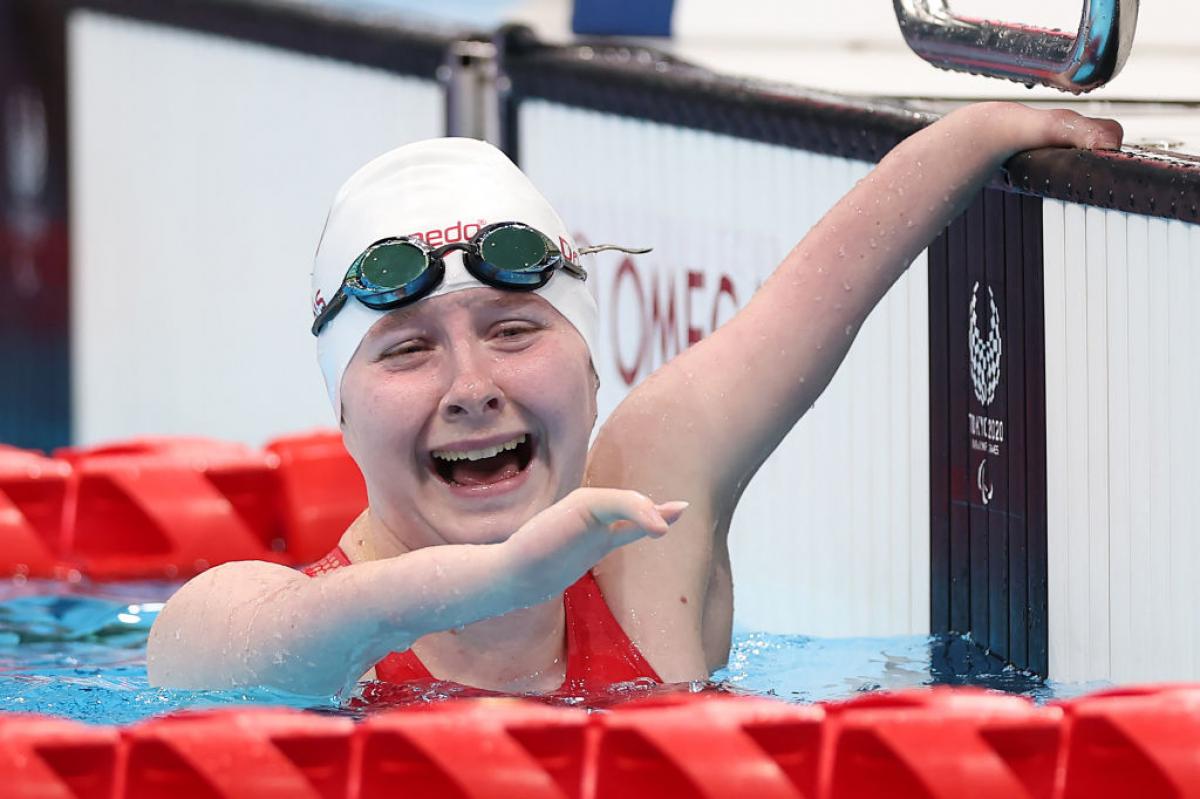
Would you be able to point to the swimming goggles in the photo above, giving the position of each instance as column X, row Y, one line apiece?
column 400, row 270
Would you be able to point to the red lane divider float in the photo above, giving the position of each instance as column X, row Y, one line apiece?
column 172, row 507
column 709, row 746
column 475, row 749
column 321, row 492
column 943, row 743
column 936, row 743
column 240, row 754
column 32, row 490
column 1138, row 742
column 159, row 511
column 51, row 758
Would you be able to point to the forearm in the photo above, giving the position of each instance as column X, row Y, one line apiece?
column 789, row 340
column 872, row 234
column 828, row 284
column 841, row 270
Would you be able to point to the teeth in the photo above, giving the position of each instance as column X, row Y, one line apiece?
column 478, row 454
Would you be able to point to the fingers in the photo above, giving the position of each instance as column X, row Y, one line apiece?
column 1070, row 129
column 629, row 513
column 671, row 511
column 1108, row 135
column 654, row 523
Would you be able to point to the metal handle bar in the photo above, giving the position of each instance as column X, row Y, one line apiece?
column 1023, row 53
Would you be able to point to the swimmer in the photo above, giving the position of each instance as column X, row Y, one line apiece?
column 498, row 550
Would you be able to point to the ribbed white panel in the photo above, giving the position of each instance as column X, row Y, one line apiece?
column 201, row 172
column 832, row 537
column 1122, row 371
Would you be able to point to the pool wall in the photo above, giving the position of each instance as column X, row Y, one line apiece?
column 1038, row 501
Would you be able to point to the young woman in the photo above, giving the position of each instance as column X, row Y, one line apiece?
column 455, row 333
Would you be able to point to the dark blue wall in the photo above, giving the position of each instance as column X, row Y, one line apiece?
column 34, row 332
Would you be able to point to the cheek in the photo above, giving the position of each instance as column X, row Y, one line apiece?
column 558, row 388
column 380, row 415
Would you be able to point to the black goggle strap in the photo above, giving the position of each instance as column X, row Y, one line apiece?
column 329, row 311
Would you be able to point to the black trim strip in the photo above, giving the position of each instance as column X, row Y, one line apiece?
column 1137, row 182
column 994, row 224
column 1036, row 580
column 645, row 84
column 1015, row 273
column 955, row 311
column 35, row 286
column 979, row 539
column 368, row 40
column 988, row 532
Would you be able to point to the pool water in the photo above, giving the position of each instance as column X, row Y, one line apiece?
column 79, row 651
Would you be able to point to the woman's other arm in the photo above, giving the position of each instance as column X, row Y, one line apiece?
column 255, row 623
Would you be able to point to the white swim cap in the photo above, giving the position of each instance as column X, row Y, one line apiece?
column 440, row 190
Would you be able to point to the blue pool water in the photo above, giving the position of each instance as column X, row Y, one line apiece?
column 79, row 651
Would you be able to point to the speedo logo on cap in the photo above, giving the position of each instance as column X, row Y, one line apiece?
column 459, row 231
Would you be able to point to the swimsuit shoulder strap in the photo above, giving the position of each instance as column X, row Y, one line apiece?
column 599, row 653
column 336, row 559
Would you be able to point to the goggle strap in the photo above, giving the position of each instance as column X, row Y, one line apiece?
column 331, row 308
column 618, row 247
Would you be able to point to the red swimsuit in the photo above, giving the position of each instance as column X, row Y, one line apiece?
column 599, row 653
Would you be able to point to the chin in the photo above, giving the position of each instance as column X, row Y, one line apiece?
column 490, row 527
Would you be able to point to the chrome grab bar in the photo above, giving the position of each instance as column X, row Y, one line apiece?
column 1023, row 53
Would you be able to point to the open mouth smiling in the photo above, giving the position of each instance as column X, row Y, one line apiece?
column 486, row 465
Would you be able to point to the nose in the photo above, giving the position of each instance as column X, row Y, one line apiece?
column 473, row 393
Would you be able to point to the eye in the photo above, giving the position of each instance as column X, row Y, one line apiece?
column 514, row 331
column 405, row 349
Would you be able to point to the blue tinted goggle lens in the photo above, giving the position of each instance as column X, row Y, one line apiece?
column 392, row 264
column 514, row 249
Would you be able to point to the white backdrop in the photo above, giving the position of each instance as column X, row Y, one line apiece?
column 201, row 172
column 832, row 536
column 1122, row 375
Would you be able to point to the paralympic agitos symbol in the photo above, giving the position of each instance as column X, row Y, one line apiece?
column 985, row 354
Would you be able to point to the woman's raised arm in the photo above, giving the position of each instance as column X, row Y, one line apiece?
column 701, row 425
column 718, row 409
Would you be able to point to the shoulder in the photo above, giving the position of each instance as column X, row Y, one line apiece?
column 205, row 605
column 231, row 581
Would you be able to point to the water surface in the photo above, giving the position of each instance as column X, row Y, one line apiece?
column 79, row 651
